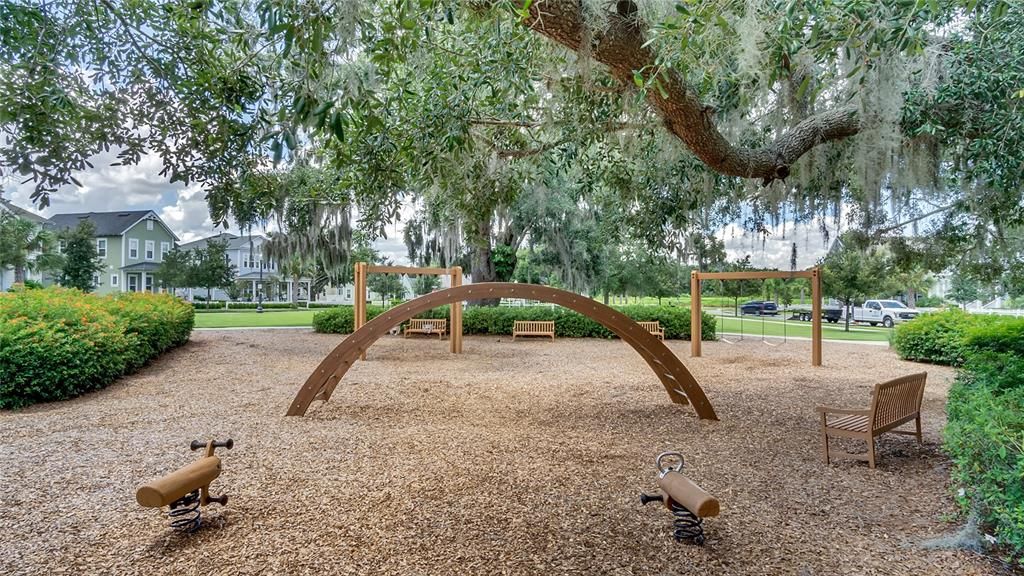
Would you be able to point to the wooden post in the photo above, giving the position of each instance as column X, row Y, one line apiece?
column 696, row 326
column 360, row 296
column 816, row 317
column 455, row 336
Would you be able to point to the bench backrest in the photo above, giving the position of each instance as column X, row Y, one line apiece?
column 534, row 326
column 897, row 400
column 437, row 324
column 651, row 326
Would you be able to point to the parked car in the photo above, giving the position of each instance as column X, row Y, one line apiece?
column 759, row 307
column 884, row 312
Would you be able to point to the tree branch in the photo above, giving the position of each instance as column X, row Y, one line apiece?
column 621, row 48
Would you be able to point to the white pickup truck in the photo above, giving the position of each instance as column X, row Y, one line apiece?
column 884, row 312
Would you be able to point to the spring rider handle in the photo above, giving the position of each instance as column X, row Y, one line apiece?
column 186, row 489
column 688, row 502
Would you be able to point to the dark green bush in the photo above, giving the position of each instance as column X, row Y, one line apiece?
column 499, row 320
column 1005, row 335
column 947, row 337
column 929, row 302
column 936, row 337
column 984, row 438
column 57, row 343
column 200, row 304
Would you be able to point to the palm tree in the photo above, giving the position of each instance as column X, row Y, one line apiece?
column 25, row 246
column 914, row 281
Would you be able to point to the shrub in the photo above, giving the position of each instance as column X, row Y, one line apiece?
column 200, row 304
column 1005, row 335
column 984, row 437
column 499, row 320
column 57, row 343
column 947, row 337
column 929, row 302
column 936, row 337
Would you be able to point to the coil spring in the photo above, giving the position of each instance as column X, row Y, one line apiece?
column 184, row 514
column 687, row 526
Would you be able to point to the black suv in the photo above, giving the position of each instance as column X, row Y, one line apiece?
column 760, row 308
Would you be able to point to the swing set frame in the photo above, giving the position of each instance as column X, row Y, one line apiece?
column 362, row 270
column 814, row 275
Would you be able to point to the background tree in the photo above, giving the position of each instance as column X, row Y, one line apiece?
column 212, row 268
column 26, row 246
column 387, row 286
column 425, row 284
column 851, row 272
column 81, row 261
column 964, row 289
column 759, row 112
column 174, row 270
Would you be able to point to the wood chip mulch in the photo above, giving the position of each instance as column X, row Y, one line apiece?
column 513, row 458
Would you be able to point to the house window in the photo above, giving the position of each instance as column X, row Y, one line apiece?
column 150, row 247
column 62, row 246
column 113, row 279
column 165, row 247
column 149, row 283
column 101, row 247
column 96, row 280
column 133, row 283
column 149, row 224
column 133, row 248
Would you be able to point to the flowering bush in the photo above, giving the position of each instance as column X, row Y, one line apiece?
column 58, row 343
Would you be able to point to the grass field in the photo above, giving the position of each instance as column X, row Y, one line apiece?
column 253, row 319
column 751, row 325
column 775, row 328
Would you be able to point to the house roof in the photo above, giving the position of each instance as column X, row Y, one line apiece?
column 22, row 213
column 107, row 223
column 142, row 267
column 235, row 242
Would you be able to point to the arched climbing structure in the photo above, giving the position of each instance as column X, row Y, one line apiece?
column 681, row 386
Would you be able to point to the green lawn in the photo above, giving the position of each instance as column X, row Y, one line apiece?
column 774, row 328
column 253, row 319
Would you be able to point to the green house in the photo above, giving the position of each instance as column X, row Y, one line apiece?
column 130, row 244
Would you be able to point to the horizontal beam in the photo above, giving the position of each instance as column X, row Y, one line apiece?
column 405, row 270
column 753, row 275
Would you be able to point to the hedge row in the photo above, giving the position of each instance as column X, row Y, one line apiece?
column 942, row 337
column 499, row 320
column 984, row 436
column 58, row 343
column 985, row 425
column 219, row 305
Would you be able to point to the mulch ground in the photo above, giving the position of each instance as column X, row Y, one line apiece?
column 514, row 458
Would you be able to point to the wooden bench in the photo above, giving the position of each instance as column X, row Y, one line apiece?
column 654, row 328
column 427, row 326
column 893, row 404
column 533, row 328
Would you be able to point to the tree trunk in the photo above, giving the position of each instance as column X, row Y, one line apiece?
column 911, row 298
column 482, row 263
column 19, row 274
column 849, row 312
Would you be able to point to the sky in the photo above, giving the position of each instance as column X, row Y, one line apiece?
column 107, row 188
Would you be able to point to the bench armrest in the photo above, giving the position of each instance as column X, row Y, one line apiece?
column 828, row 410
